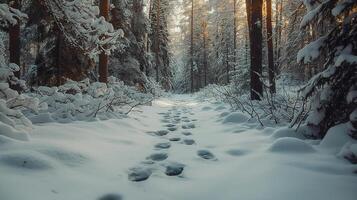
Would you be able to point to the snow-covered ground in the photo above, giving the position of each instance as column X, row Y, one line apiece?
column 185, row 149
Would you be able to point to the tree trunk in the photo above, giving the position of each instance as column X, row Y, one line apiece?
column 271, row 67
column 192, row 7
column 58, row 57
column 227, row 63
column 157, row 42
column 14, row 40
column 235, row 34
column 248, row 7
column 103, row 57
column 205, row 55
column 278, row 31
column 256, row 50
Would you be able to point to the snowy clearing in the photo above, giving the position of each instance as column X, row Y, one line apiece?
column 177, row 149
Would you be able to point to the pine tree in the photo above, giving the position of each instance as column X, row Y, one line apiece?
column 333, row 91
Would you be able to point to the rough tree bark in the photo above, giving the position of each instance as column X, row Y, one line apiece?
column 235, row 34
column 103, row 57
column 256, row 49
column 271, row 67
column 227, row 63
column 14, row 39
column 192, row 7
column 278, row 31
column 205, row 35
column 157, row 42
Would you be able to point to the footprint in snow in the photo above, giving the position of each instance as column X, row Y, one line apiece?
column 164, row 145
column 158, row 156
column 162, row 132
column 205, row 154
column 175, row 139
column 236, row 152
column 189, row 126
column 189, row 141
column 174, row 169
column 172, row 129
column 170, row 125
column 186, row 133
column 138, row 174
column 111, row 197
column 186, row 120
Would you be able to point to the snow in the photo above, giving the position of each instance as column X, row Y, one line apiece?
column 340, row 6
column 10, row 16
column 310, row 16
column 311, row 51
column 290, row 145
column 125, row 159
column 337, row 137
column 235, row 117
column 287, row 132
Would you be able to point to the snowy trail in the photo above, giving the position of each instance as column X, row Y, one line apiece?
column 178, row 149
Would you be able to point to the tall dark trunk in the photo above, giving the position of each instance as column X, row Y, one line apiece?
column 256, row 49
column 278, row 31
column 58, row 48
column 103, row 57
column 147, row 39
column 205, row 58
column 271, row 67
column 235, row 34
column 157, row 42
column 14, row 40
column 192, row 8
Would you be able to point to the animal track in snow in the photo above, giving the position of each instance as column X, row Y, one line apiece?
column 186, row 133
column 162, row 132
column 138, row 174
column 158, row 156
column 164, row 145
column 189, row 141
column 175, row 139
column 111, row 197
column 174, row 169
column 205, row 154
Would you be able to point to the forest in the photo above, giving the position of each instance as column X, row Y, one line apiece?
column 178, row 99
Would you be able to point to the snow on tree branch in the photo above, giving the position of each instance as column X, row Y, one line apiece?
column 10, row 16
column 311, row 51
column 79, row 22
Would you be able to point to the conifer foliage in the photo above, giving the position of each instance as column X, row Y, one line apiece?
column 334, row 90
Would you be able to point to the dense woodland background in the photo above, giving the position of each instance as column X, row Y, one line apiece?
column 184, row 46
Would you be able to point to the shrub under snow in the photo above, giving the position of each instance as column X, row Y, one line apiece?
column 12, row 122
column 86, row 101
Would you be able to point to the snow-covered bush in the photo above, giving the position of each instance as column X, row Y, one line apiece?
column 85, row 101
column 333, row 92
column 12, row 122
column 278, row 108
column 154, row 88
